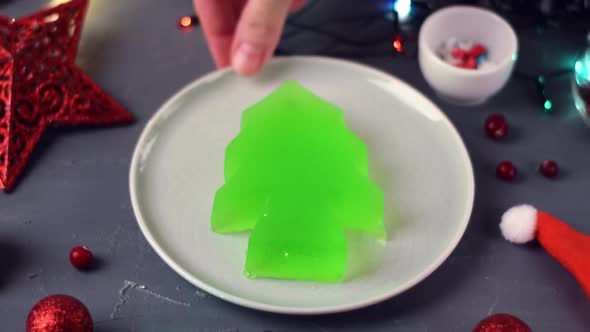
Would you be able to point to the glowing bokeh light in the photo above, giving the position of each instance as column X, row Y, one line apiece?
column 397, row 45
column 185, row 21
column 403, row 9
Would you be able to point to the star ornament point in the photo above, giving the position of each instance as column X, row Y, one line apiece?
column 41, row 86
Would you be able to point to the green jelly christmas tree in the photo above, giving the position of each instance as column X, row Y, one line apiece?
column 298, row 179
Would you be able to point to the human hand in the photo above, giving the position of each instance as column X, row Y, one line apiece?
column 243, row 33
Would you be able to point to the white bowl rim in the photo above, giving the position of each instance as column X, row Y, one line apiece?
column 462, row 71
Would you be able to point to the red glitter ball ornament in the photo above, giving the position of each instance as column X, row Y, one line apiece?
column 549, row 168
column 41, row 86
column 496, row 126
column 81, row 257
column 59, row 313
column 506, row 170
column 502, row 323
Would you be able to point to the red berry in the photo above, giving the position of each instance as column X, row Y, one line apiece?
column 496, row 126
column 477, row 50
column 81, row 257
column 549, row 168
column 506, row 170
column 501, row 323
column 584, row 92
column 458, row 53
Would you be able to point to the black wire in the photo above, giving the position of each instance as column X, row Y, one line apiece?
column 517, row 6
column 564, row 15
column 510, row 8
column 298, row 28
column 339, row 38
column 339, row 54
column 546, row 75
column 535, row 18
column 307, row 8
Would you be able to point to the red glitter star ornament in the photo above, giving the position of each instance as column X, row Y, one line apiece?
column 41, row 86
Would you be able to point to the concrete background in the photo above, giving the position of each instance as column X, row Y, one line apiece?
column 75, row 191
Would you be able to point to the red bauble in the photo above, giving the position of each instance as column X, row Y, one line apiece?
column 549, row 168
column 81, row 257
column 506, row 170
column 502, row 323
column 584, row 92
column 41, row 86
column 59, row 313
column 496, row 126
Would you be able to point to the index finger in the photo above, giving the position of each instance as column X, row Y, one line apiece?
column 218, row 19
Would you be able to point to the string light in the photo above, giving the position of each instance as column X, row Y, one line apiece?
column 547, row 103
column 399, row 11
column 186, row 22
column 581, row 86
column 398, row 45
column 403, row 9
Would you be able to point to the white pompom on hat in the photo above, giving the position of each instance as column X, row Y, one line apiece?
column 569, row 247
column 519, row 224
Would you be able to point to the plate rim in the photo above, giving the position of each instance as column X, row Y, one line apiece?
column 294, row 310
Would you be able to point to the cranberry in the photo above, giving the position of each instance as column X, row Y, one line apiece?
column 506, row 170
column 584, row 92
column 496, row 126
column 549, row 168
column 81, row 257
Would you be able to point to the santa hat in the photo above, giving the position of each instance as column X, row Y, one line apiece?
column 569, row 247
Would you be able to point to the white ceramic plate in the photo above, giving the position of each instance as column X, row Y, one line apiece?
column 415, row 153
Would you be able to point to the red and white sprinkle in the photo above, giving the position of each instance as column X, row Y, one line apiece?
column 464, row 54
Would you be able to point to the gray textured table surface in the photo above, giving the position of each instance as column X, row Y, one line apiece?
column 75, row 192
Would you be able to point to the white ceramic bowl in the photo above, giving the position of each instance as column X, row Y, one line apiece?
column 465, row 86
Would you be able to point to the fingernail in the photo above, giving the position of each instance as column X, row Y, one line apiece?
column 247, row 59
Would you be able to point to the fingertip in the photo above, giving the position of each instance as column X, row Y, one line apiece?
column 248, row 58
column 257, row 34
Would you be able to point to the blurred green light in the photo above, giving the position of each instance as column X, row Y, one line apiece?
column 578, row 67
column 548, row 105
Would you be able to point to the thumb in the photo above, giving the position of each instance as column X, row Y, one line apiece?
column 257, row 34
